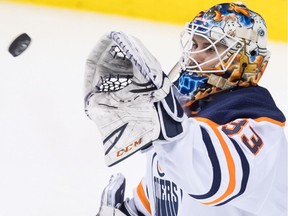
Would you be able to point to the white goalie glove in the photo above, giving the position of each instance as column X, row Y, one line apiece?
column 113, row 196
column 112, row 199
column 122, row 83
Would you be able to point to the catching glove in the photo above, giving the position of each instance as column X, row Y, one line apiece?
column 122, row 83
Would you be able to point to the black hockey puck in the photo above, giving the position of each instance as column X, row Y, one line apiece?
column 19, row 45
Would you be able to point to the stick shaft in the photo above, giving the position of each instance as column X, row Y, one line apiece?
column 174, row 71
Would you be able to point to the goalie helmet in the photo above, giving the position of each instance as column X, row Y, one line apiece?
column 235, row 39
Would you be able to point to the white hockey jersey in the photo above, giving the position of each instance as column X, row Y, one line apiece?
column 231, row 160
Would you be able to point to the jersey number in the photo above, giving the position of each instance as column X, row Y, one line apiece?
column 254, row 143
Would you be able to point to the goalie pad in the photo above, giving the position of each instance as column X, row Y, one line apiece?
column 122, row 83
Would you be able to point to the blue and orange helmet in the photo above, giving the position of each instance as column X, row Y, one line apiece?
column 242, row 31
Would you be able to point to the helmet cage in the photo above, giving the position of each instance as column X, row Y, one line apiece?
column 188, row 63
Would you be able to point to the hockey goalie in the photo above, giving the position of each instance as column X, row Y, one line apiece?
column 213, row 138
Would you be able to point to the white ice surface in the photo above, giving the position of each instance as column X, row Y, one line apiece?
column 51, row 159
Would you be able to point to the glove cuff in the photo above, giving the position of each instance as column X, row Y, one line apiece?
column 171, row 117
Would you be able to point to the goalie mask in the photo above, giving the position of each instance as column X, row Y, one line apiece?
column 223, row 47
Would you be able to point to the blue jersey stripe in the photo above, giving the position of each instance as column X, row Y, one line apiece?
column 215, row 164
column 245, row 171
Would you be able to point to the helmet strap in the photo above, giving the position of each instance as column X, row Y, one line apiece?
column 220, row 82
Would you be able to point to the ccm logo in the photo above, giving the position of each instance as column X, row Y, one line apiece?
column 129, row 147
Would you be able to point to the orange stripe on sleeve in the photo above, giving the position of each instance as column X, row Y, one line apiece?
column 282, row 124
column 229, row 160
column 143, row 198
column 257, row 120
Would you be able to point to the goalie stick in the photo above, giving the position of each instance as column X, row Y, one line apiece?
column 172, row 75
